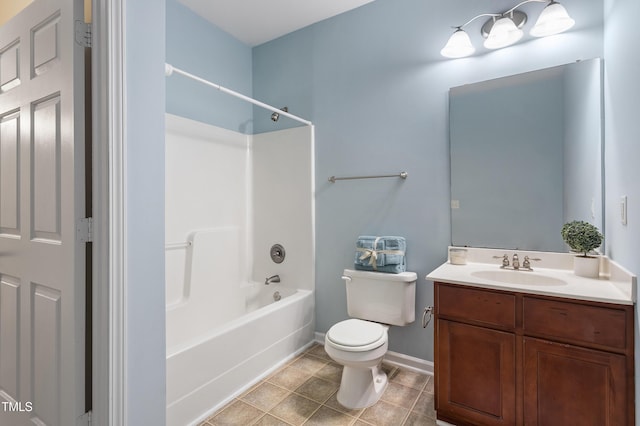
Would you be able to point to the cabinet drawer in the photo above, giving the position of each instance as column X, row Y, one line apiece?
column 472, row 304
column 575, row 322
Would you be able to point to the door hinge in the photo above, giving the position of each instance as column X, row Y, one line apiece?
column 85, row 419
column 84, row 230
column 84, row 34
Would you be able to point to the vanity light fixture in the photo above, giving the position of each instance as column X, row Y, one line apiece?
column 504, row 29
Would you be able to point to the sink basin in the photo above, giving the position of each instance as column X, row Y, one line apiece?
column 518, row 277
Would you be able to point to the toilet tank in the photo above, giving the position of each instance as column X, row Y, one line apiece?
column 381, row 297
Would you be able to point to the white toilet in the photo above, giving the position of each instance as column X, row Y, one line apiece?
column 377, row 300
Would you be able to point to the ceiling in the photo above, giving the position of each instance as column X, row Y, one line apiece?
column 257, row 21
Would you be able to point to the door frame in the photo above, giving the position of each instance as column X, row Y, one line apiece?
column 109, row 213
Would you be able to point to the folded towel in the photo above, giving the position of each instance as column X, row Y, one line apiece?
column 380, row 254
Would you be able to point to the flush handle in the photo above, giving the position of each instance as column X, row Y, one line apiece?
column 427, row 314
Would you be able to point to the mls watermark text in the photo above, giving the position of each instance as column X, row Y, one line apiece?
column 17, row 407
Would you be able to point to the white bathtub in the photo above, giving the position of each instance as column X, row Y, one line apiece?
column 205, row 371
column 223, row 330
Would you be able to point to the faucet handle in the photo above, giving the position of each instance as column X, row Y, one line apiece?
column 505, row 260
column 526, row 264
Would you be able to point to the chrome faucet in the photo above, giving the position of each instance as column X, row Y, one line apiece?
column 272, row 279
column 515, row 262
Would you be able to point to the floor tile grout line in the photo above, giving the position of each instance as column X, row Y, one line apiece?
column 311, row 415
column 420, row 389
column 289, row 392
column 311, row 399
column 274, row 416
column 300, row 394
column 227, row 406
column 406, row 418
column 282, row 387
column 271, row 408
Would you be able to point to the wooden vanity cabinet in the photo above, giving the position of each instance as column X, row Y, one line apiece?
column 508, row 358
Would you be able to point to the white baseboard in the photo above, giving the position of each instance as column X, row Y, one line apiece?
column 397, row 359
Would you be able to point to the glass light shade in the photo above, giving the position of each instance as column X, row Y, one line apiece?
column 503, row 33
column 554, row 19
column 458, row 46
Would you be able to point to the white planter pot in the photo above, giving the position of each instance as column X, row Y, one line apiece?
column 588, row 267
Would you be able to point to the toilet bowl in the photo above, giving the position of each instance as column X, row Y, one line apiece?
column 359, row 346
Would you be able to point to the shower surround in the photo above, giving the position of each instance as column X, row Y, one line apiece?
column 229, row 198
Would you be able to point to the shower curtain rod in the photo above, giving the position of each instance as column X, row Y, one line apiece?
column 170, row 69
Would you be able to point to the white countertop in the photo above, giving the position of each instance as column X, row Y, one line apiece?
column 615, row 285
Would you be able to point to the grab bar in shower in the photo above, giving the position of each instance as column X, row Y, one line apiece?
column 402, row 175
column 174, row 246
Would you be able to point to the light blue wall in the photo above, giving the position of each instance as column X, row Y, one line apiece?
column 375, row 86
column 198, row 47
column 622, row 133
column 144, row 151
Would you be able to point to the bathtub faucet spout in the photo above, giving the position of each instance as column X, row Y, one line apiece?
column 272, row 279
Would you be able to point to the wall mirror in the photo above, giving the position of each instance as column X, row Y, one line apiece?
column 526, row 157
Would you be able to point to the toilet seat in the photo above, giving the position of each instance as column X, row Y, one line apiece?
column 354, row 335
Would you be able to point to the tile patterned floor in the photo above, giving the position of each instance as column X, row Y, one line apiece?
column 303, row 392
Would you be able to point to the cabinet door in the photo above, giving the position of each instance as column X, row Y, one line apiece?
column 475, row 375
column 568, row 385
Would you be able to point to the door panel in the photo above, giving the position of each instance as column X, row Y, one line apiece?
column 45, row 178
column 42, row 198
column 9, row 66
column 9, row 320
column 9, row 173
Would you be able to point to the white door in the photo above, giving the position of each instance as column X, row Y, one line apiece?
column 42, row 262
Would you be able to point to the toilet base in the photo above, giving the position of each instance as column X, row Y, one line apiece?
column 361, row 387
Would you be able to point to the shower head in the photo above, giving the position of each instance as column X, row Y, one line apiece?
column 276, row 116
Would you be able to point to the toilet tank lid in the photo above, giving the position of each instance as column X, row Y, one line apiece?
column 401, row 277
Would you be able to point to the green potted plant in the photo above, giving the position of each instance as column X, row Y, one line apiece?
column 583, row 237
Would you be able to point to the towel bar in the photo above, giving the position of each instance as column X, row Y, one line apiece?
column 402, row 175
